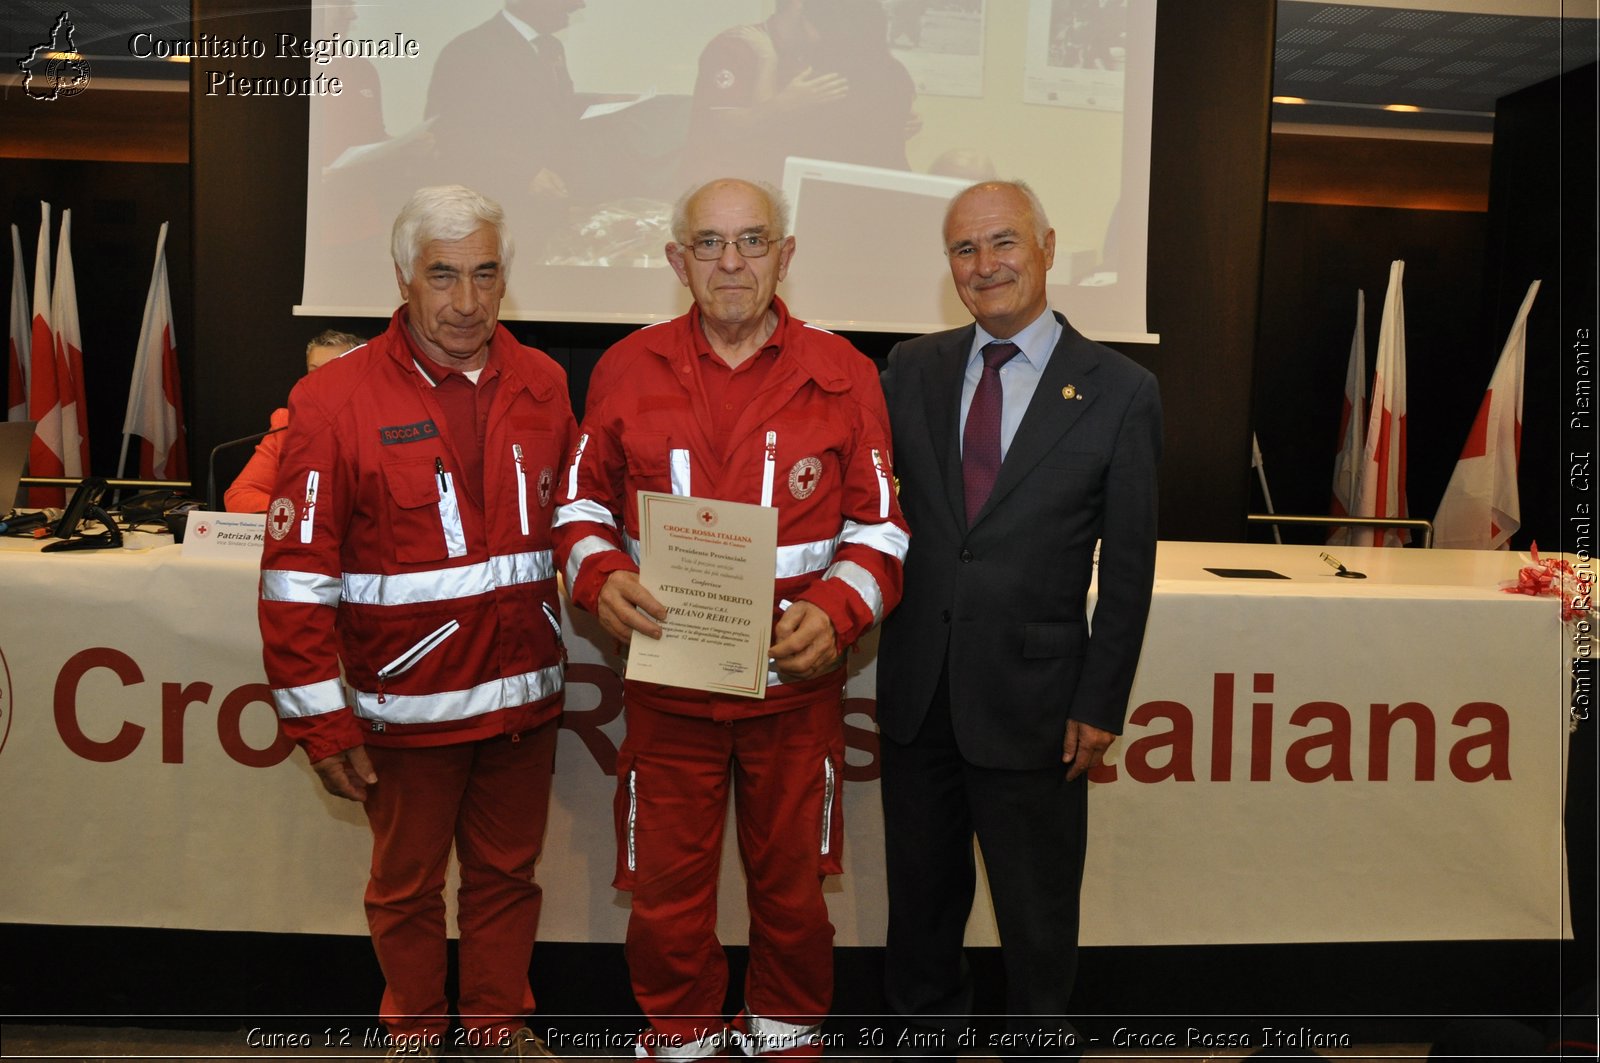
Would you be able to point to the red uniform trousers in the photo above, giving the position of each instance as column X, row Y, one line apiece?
column 672, row 795
column 490, row 799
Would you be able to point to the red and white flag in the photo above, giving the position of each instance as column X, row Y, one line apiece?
column 155, row 400
column 1481, row 508
column 21, row 337
column 1383, row 466
column 1352, row 418
column 44, row 396
column 69, row 357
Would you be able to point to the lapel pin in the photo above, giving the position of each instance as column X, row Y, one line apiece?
column 1070, row 392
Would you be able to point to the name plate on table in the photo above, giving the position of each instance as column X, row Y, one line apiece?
column 212, row 534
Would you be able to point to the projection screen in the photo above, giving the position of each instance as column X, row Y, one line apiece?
column 869, row 114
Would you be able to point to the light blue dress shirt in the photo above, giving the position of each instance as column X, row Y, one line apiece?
column 1019, row 378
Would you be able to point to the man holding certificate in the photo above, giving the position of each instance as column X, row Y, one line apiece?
column 733, row 408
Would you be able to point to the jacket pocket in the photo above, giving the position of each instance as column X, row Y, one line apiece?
column 413, row 656
column 424, row 518
column 423, row 646
column 649, row 458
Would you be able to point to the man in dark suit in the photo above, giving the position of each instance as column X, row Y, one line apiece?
column 1019, row 444
column 503, row 109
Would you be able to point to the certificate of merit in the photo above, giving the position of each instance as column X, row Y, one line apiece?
column 712, row 564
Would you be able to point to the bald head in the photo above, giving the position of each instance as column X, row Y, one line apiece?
column 1004, row 190
column 777, row 208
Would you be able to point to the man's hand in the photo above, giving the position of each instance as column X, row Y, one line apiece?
column 621, row 599
column 803, row 641
column 808, row 90
column 346, row 774
column 1084, row 747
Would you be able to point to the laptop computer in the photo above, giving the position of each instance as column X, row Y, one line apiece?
column 15, row 437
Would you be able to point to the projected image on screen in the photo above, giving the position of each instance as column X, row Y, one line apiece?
column 587, row 120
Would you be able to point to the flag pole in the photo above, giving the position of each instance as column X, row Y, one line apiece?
column 136, row 387
column 1260, row 465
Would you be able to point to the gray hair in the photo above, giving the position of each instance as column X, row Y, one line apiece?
column 1041, row 223
column 445, row 212
column 345, row 341
column 777, row 207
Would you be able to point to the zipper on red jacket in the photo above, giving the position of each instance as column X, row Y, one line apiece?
column 769, row 467
column 522, row 486
column 555, row 625
column 407, row 660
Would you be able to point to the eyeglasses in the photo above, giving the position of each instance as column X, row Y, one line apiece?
column 749, row 245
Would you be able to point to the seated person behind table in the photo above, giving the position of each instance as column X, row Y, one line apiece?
column 251, row 491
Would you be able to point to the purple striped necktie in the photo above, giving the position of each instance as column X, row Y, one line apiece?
column 980, row 441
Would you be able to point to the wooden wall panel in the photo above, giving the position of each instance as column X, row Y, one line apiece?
column 1350, row 171
column 100, row 124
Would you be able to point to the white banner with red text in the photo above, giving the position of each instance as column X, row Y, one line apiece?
column 1306, row 759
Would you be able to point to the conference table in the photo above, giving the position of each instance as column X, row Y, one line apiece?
column 1308, row 757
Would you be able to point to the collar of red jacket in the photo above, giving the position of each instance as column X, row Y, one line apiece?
column 501, row 360
column 682, row 338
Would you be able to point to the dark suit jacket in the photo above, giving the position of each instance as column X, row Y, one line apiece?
column 1006, row 597
column 502, row 110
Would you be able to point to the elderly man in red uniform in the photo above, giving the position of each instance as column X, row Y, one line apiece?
column 409, row 548
column 738, row 401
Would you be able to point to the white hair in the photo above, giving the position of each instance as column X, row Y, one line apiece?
column 445, row 212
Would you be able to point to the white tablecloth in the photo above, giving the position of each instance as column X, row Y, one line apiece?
column 1309, row 759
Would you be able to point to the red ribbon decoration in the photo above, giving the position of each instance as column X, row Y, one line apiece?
column 1552, row 578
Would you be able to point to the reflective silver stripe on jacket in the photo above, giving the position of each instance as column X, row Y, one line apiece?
column 492, row 696
column 802, row 558
column 633, row 819
column 883, row 484
column 885, row 538
column 582, row 551
column 522, row 486
column 307, row 588
column 862, row 582
column 678, row 462
column 444, row 584
column 455, row 536
column 769, row 466
column 572, row 473
column 830, row 792
column 313, row 699
column 584, row 510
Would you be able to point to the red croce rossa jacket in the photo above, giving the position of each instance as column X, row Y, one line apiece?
column 814, row 444
column 441, row 608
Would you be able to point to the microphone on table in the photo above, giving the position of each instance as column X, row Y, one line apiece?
column 20, row 523
column 1339, row 569
column 211, row 462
